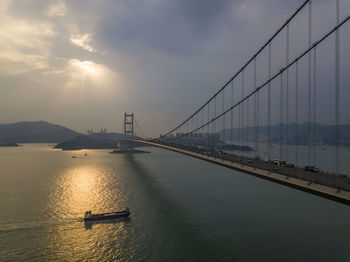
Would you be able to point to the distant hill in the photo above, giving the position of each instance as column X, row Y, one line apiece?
column 86, row 142
column 94, row 141
column 324, row 134
column 35, row 132
column 106, row 136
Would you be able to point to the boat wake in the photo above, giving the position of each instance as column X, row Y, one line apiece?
column 6, row 227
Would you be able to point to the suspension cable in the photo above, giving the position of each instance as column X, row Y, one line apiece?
column 245, row 65
column 277, row 74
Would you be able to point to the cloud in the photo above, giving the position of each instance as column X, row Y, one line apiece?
column 175, row 26
column 83, row 41
column 142, row 55
column 25, row 43
column 89, row 67
column 57, row 9
column 84, row 73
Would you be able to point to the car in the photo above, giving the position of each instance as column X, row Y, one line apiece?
column 311, row 169
column 250, row 161
column 279, row 162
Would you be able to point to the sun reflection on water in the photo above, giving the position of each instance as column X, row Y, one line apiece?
column 75, row 190
column 81, row 188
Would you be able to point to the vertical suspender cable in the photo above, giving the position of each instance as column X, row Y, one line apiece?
column 281, row 120
column 257, row 124
column 256, row 113
column 208, row 131
column 214, row 122
column 197, row 120
column 188, row 130
column 182, row 132
column 247, row 127
column 191, row 128
column 231, row 113
column 202, row 118
column 242, row 111
column 196, row 125
column 269, row 104
column 296, row 115
column 223, row 117
column 314, row 113
column 287, row 94
column 337, row 92
column 203, row 129
column 309, row 86
column 239, row 127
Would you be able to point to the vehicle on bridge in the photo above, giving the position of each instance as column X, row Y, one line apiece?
column 279, row 162
column 311, row 169
column 267, row 161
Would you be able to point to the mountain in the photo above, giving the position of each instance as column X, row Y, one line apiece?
column 86, row 142
column 94, row 141
column 35, row 132
column 324, row 134
column 106, row 136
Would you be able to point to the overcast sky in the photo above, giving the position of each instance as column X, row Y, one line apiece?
column 83, row 63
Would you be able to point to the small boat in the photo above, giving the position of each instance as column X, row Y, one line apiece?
column 119, row 215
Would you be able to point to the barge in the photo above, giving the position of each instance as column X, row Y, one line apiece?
column 119, row 215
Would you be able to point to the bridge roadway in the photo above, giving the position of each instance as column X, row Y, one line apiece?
column 332, row 193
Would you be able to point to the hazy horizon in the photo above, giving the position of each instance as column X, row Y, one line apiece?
column 82, row 64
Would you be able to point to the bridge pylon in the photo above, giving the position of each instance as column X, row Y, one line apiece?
column 127, row 145
column 128, row 125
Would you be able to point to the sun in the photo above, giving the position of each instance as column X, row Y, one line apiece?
column 83, row 73
column 88, row 67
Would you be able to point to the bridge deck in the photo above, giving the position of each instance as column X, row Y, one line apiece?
column 316, row 189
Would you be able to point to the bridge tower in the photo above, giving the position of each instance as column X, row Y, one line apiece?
column 128, row 124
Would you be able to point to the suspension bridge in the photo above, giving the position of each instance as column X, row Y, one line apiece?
column 265, row 119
